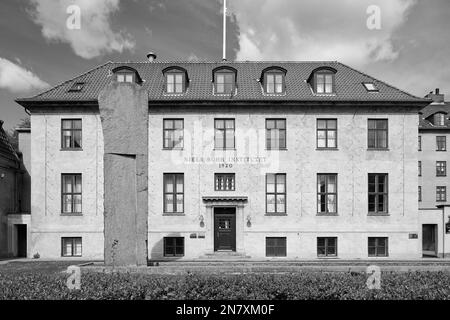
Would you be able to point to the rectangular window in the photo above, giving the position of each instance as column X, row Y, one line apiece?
column 71, row 133
column 420, row 194
column 224, row 134
column 327, row 247
column 174, row 83
column 378, row 246
column 173, row 192
column 274, row 83
column 224, row 83
column 71, row 247
column 439, row 119
column 420, row 143
column 173, row 246
column 419, row 164
column 224, row 182
column 71, row 193
column 324, row 83
column 173, row 133
column 441, row 143
column 276, row 193
column 378, row 193
column 441, row 168
column 327, row 193
column 275, row 246
column 326, row 133
column 275, row 134
column 377, row 134
column 441, row 193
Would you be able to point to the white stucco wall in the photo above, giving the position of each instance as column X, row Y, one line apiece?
column 48, row 162
column 301, row 162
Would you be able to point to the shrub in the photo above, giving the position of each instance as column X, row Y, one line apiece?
column 299, row 286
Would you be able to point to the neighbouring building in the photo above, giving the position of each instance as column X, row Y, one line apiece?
column 434, row 183
column 211, row 160
column 14, row 200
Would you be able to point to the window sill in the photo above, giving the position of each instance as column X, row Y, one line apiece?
column 226, row 149
column 327, row 258
column 281, row 149
column 441, row 150
column 319, row 214
column 71, row 149
column 378, row 149
column 65, row 214
column 173, row 214
column 172, row 149
column 275, row 214
column 327, row 149
column 383, row 214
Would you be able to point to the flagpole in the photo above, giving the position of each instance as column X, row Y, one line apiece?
column 224, row 52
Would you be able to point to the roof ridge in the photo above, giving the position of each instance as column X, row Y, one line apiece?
column 76, row 77
column 383, row 82
column 224, row 62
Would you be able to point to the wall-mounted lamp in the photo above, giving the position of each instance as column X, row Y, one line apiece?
column 249, row 221
column 202, row 221
column 2, row 175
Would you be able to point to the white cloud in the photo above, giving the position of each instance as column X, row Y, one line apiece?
column 94, row 38
column 16, row 78
column 317, row 30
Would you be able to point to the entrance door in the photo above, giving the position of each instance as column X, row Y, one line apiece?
column 225, row 229
column 21, row 240
column 429, row 240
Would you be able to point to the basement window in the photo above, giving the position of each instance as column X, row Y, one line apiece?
column 276, row 247
column 173, row 246
column 71, row 247
column 370, row 86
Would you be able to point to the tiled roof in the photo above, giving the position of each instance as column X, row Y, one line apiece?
column 430, row 110
column 6, row 149
column 348, row 83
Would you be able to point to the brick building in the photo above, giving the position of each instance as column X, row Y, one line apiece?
column 14, row 200
column 434, row 134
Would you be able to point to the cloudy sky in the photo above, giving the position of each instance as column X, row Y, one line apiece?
column 409, row 46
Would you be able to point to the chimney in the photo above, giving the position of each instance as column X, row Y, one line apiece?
column 151, row 56
column 437, row 97
column 1, row 124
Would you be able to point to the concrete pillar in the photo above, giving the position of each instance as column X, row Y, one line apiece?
column 124, row 115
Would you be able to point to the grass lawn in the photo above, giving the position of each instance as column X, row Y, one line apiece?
column 46, row 280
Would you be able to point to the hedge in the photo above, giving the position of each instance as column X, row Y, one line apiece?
column 299, row 286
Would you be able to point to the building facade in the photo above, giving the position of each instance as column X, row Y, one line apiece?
column 434, row 132
column 14, row 201
column 262, row 160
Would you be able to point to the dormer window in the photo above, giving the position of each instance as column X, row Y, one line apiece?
column 324, row 83
column 125, row 74
column 322, row 80
column 77, row 87
column 224, row 81
column 175, row 80
column 273, row 80
column 439, row 119
column 125, row 77
column 174, row 83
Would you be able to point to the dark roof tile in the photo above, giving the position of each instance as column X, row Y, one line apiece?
column 348, row 83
